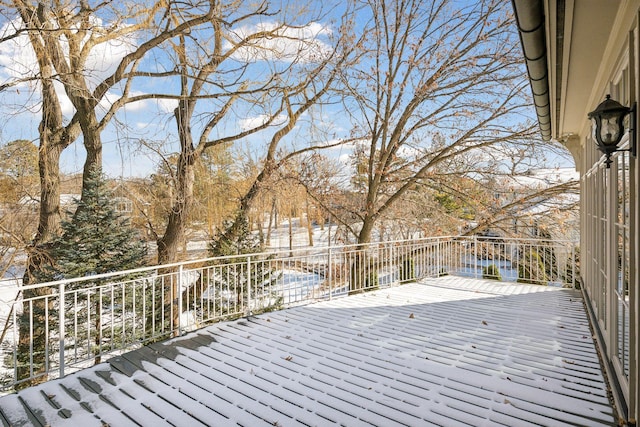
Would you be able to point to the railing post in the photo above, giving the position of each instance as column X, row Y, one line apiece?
column 475, row 257
column 249, row 285
column 393, row 261
column 438, row 257
column 61, row 316
column 330, row 273
column 179, row 298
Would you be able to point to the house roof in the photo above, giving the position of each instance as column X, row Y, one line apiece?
column 570, row 49
column 66, row 199
column 448, row 351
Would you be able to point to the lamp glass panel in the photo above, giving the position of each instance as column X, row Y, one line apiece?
column 609, row 130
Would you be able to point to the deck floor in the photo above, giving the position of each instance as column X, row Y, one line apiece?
column 443, row 352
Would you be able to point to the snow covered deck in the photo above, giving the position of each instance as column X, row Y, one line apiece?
column 449, row 351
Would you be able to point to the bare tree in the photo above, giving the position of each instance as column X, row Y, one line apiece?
column 69, row 34
column 54, row 138
column 63, row 37
column 440, row 80
column 273, row 72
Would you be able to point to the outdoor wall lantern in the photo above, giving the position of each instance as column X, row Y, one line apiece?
column 608, row 122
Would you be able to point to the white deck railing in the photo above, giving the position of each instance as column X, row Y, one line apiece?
column 54, row 328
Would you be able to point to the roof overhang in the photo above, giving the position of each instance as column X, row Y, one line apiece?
column 568, row 57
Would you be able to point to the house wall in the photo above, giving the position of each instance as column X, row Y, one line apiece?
column 589, row 49
column 609, row 229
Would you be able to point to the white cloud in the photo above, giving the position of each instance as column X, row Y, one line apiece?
column 104, row 58
column 138, row 105
column 289, row 44
column 167, row 105
column 345, row 158
column 18, row 61
column 17, row 58
column 144, row 125
column 259, row 120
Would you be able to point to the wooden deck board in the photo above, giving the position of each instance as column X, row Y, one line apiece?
column 448, row 351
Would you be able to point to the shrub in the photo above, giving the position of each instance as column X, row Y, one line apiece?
column 407, row 271
column 531, row 269
column 363, row 274
column 491, row 272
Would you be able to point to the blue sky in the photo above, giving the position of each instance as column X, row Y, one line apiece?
column 152, row 120
column 149, row 120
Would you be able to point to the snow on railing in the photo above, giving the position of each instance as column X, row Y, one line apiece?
column 54, row 328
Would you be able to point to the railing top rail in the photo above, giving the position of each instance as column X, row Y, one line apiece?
column 518, row 239
column 289, row 254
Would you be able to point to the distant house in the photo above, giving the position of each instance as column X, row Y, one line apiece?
column 125, row 202
column 68, row 202
column 123, row 205
column 129, row 203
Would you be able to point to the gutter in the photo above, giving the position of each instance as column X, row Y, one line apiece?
column 530, row 20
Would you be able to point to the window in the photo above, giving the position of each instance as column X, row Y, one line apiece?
column 123, row 205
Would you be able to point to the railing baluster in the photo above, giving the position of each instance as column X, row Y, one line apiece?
column 61, row 331
column 248, row 308
column 330, row 273
column 47, row 329
column 437, row 257
column 16, row 337
column 179, row 299
column 475, row 257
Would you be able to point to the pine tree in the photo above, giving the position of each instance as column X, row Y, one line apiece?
column 239, row 243
column 96, row 239
column 243, row 272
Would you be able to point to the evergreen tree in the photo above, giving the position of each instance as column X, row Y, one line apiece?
column 241, row 273
column 96, row 239
column 242, row 242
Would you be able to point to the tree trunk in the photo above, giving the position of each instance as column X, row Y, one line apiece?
column 367, row 228
column 36, row 304
column 49, row 169
column 363, row 274
column 272, row 215
column 92, row 143
column 169, row 243
column 174, row 234
column 309, row 223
